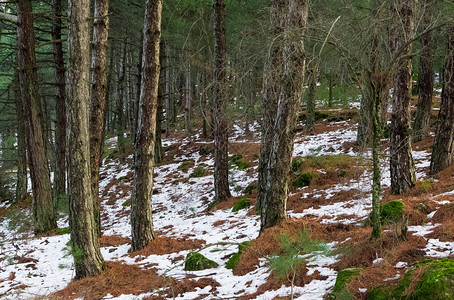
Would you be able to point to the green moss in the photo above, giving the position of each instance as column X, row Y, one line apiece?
column 435, row 283
column 184, row 166
column 196, row 262
column 391, row 212
column 296, row 163
column 378, row 293
column 248, row 190
column 241, row 204
column 242, row 164
column 232, row 263
column 122, row 178
column 343, row 277
column 61, row 231
column 126, row 203
column 198, row 172
column 425, row 185
column 235, row 158
column 303, row 180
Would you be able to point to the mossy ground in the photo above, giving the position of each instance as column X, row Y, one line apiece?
column 196, row 262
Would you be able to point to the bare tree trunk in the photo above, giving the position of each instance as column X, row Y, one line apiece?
column 158, row 154
column 43, row 210
column 272, row 72
column 138, row 87
column 365, row 131
column 60, row 104
column 330, row 88
column 21, row 182
column 426, row 78
column 221, row 142
column 120, row 105
column 401, row 161
column 443, row 149
column 88, row 260
column 141, row 212
column 274, row 181
column 99, row 90
column 188, row 100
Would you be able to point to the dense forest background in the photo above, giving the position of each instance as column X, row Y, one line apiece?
column 284, row 148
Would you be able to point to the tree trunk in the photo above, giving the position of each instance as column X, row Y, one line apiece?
column 401, row 161
column 138, row 88
column 221, row 142
column 60, row 104
column 365, row 131
column 98, row 99
column 43, row 210
column 276, row 168
column 21, row 182
column 426, row 78
column 443, row 149
column 310, row 102
column 141, row 212
column 120, row 114
column 158, row 154
column 330, row 89
column 188, row 100
column 85, row 245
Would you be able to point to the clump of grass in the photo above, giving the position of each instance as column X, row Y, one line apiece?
column 241, row 204
column 185, row 165
column 64, row 230
column 236, row 161
column 425, row 185
column 303, row 180
column 198, row 172
column 248, row 190
column 126, row 203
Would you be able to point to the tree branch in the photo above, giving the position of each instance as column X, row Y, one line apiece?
column 9, row 18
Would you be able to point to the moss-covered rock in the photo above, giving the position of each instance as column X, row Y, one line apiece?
column 303, row 180
column 241, row 204
column 195, row 262
column 343, row 277
column 232, row 263
column 435, row 283
column 391, row 212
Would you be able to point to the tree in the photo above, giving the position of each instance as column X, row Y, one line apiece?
column 60, row 99
column 426, row 77
column 43, row 210
column 21, row 183
column 281, row 103
column 221, row 164
column 401, row 161
column 88, row 260
column 98, row 98
column 443, row 149
column 141, row 213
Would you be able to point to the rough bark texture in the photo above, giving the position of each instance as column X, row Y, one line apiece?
column 120, row 105
column 443, row 149
column 426, row 78
column 272, row 72
column 188, row 100
column 98, row 99
column 276, row 169
column 43, row 210
column 21, row 182
column 401, row 161
column 60, row 103
column 221, row 142
column 141, row 216
column 87, row 256
column 364, row 134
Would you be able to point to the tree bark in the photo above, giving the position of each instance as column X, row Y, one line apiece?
column 274, row 181
column 221, row 142
column 401, row 161
column 60, row 103
column 141, row 212
column 120, row 102
column 84, row 235
column 188, row 100
column 443, row 149
column 365, row 131
column 43, row 210
column 21, row 182
column 98, row 104
column 426, row 78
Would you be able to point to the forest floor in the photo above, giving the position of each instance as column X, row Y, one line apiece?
column 332, row 210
